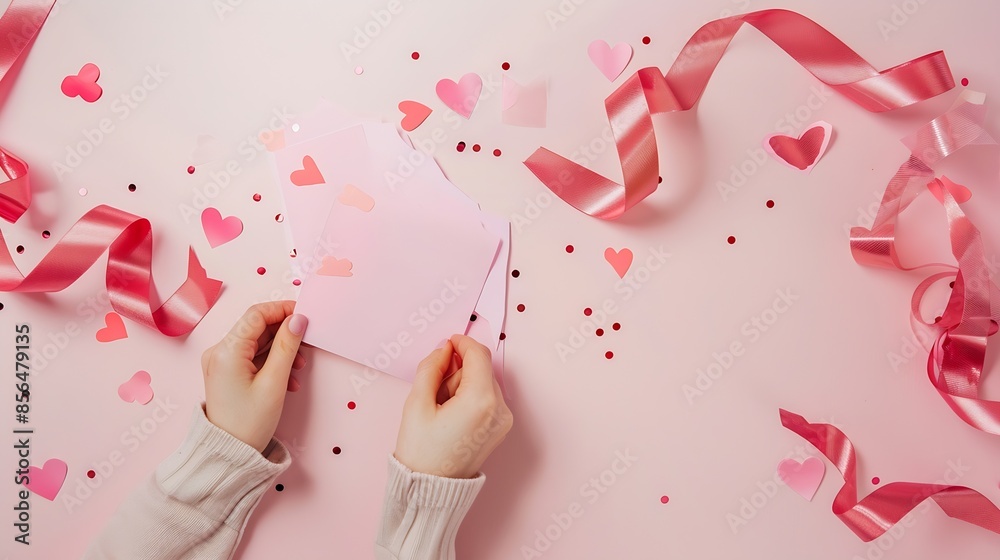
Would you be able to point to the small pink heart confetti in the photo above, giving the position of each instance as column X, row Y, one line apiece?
column 137, row 389
column 220, row 230
column 414, row 114
column 610, row 61
column 335, row 267
column 84, row 84
column 47, row 480
column 801, row 153
column 463, row 96
column 114, row 328
column 619, row 260
column 308, row 175
column 804, row 477
column 353, row 196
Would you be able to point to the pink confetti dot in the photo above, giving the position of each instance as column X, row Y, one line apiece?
column 415, row 55
column 965, row 81
column 520, row 307
column 770, row 204
column 83, row 192
column 91, row 474
column 497, row 152
column 505, row 66
column 190, row 170
column 359, row 70
column 731, row 240
column 876, row 480
column 261, row 270
column 256, row 197
column 351, row 405
column 296, row 282
column 588, row 311
column 664, row 499
column 569, row 248
column 609, row 354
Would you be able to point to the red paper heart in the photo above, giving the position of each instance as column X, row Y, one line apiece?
column 114, row 330
column 84, row 84
column 619, row 260
column 803, row 152
column 308, row 175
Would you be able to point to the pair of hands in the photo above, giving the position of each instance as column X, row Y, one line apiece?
column 454, row 417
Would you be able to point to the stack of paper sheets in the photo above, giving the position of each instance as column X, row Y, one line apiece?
column 393, row 257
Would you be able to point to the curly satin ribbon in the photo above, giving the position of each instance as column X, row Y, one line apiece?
column 877, row 512
column 956, row 342
column 18, row 26
column 129, row 242
column 648, row 92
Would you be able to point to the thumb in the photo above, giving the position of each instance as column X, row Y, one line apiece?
column 278, row 365
column 430, row 374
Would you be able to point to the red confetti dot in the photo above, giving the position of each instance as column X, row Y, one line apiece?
column 770, row 204
column 617, row 326
column 476, row 147
column 261, row 270
column 279, row 487
column 609, row 354
column 131, row 187
column 503, row 336
column 520, row 307
column 46, row 234
column 965, row 81
column 659, row 180
column 515, row 273
column 296, row 282
column 569, row 248
column 731, row 240
column 505, row 66
column 292, row 253
column 20, row 249
column 190, row 170
column 351, row 405
column 279, row 218
column 876, row 480
column 588, row 311
column 460, row 147
column 664, row 499
column 415, row 55
column 599, row 332
column 336, row 451
column 497, row 152
column 646, row 40
column 256, row 197
column 91, row 474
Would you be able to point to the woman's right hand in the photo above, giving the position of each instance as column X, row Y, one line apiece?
column 451, row 423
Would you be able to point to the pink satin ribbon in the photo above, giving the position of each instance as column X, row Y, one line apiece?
column 18, row 26
column 877, row 512
column 648, row 92
column 127, row 238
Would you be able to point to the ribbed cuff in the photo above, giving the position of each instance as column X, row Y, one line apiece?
column 218, row 474
column 425, row 490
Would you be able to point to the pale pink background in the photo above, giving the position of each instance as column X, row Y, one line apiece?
column 826, row 358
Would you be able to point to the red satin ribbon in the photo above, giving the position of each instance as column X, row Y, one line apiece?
column 877, row 512
column 18, row 26
column 957, row 341
column 129, row 242
column 127, row 238
column 648, row 92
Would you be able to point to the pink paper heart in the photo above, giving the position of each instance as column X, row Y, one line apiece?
column 273, row 140
column 801, row 153
column 308, row 175
column 414, row 114
column 220, row 230
column 335, row 267
column 114, row 328
column 619, row 260
column 463, row 96
column 804, row 477
column 84, row 84
column 610, row 61
column 960, row 193
column 47, row 480
column 353, row 196
column 137, row 389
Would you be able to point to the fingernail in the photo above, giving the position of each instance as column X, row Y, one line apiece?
column 293, row 384
column 297, row 324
